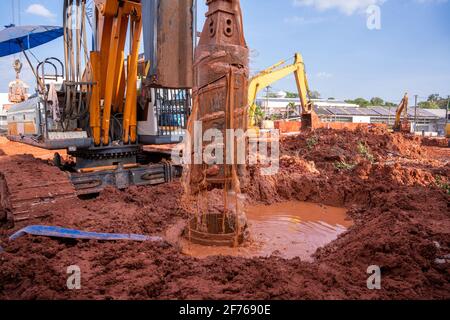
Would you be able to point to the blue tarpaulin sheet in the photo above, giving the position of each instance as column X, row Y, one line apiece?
column 58, row 232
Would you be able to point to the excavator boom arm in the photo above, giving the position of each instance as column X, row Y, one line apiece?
column 401, row 109
column 274, row 73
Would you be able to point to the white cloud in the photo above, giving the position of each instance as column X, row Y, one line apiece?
column 431, row 1
column 348, row 7
column 296, row 20
column 40, row 10
column 324, row 75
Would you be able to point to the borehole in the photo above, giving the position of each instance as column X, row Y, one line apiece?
column 288, row 230
column 215, row 230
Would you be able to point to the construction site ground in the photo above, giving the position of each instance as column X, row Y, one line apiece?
column 395, row 188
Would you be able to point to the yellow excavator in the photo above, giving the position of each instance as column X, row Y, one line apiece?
column 277, row 72
column 402, row 125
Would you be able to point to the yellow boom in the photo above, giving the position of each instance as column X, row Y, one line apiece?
column 113, row 81
column 274, row 73
column 402, row 109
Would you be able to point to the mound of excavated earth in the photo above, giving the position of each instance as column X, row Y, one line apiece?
column 395, row 189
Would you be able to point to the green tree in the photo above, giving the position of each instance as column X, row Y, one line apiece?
column 376, row 101
column 390, row 104
column 428, row 105
column 291, row 109
column 443, row 103
column 433, row 97
column 291, row 95
column 315, row 94
column 259, row 115
column 363, row 103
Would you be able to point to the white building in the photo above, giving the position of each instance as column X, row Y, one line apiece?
column 3, row 102
column 441, row 123
column 333, row 104
column 423, row 120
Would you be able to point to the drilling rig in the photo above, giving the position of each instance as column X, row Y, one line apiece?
column 106, row 100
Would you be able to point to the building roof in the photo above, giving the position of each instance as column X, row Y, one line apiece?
column 273, row 99
column 372, row 112
column 333, row 103
column 441, row 113
column 316, row 102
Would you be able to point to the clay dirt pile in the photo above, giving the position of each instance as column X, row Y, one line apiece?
column 395, row 189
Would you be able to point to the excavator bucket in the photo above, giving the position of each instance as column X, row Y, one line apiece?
column 169, row 35
column 307, row 121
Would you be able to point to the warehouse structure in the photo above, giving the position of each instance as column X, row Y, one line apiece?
column 421, row 120
column 430, row 122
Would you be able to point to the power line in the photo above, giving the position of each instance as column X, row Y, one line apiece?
column 13, row 12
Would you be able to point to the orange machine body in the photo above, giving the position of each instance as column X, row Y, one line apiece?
column 115, row 80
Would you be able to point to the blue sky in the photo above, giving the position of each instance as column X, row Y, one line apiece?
column 344, row 59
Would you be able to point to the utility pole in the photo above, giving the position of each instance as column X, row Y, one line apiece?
column 389, row 117
column 446, row 110
column 266, row 109
column 415, row 113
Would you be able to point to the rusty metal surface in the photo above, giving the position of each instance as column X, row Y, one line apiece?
column 168, row 40
column 210, row 232
column 220, row 82
column 219, row 103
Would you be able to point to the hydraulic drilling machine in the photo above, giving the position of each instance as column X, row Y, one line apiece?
column 106, row 100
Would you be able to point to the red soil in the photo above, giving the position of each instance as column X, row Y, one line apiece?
column 12, row 148
column 393, row 187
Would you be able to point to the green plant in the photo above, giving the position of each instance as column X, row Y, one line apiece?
column 290, row 109
column 343, row 166
column 364, row 151
column 259, row 115
column 276, row 117
column 442, row 184
column 291, row 95
column 312, row 142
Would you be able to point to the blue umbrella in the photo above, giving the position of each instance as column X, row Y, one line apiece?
column 18, row 39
